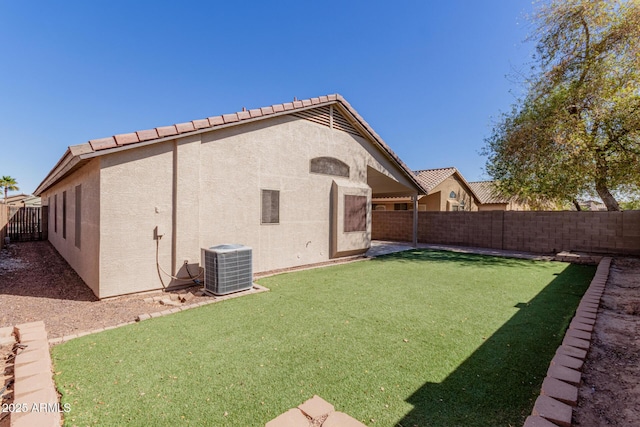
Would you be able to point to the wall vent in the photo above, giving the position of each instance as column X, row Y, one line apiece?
column 329, row 117
column 227, row 269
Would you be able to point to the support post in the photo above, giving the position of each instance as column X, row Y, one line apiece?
column 414, row 199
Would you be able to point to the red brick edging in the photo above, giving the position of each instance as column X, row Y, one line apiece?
column 255, row 289
column 559, row 393
column 35, row 399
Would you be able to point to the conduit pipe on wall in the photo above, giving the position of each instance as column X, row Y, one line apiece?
column 184, row 279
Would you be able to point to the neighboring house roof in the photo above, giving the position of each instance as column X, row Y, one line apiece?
column 431, row 178
column 16, row 197
column 77, row 155
column 487, row 192
column 21, row 199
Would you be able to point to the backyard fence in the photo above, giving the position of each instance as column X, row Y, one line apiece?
column 27, row 224
column 540, row 232
column 4, row 217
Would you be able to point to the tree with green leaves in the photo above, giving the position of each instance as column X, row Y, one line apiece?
column 577, row 129
column 9, row 184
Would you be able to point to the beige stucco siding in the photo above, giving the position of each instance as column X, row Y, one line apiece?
column 85, row 258
column 159, row 204
column 439, row 199
column 136, row 197
column 239, row 162
column 493, row 207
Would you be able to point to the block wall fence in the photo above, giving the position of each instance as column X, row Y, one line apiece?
column 539, row 232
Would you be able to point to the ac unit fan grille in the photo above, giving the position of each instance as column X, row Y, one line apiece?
column 228, row 269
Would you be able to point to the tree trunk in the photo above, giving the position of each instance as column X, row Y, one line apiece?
column 607, row 198
column 602, row 172
column 577, row 205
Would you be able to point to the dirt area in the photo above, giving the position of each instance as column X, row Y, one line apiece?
column 37, row 284
column 609, row 394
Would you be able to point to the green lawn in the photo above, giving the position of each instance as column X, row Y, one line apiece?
column 421, row 338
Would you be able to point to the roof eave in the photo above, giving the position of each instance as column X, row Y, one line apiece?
column 84, row 152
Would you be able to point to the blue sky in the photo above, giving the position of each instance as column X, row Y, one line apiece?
column 429, row 76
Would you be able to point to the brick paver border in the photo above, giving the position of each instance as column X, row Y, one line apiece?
column 34, row 386
column 559, row 393
column 35, row 399
column 145, row 316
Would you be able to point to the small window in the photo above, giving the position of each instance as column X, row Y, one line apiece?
column 355, row 213
column 455, row 208
column 452, row 195
column 55, row 213
column 64, row 214
column 78, row 214
column 270, row 207
column 400, row 206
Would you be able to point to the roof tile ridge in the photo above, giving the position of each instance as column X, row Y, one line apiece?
column 121, row 139
column 452, row 169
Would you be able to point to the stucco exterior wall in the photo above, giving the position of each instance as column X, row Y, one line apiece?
column 239, row 162
column 438, row 199
column 445, row 202
column 84, row 259
column 493, row 207
column 205, row 190
column 136, row 197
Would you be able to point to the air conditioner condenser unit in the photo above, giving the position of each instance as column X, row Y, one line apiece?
column 227, row 269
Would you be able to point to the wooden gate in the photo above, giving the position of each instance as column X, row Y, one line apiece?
column 26, row 224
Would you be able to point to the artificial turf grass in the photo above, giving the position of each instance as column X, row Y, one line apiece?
column 415, row 338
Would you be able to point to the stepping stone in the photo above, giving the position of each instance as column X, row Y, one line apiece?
column 316, row 407
column 170, row 302
column 292, row 418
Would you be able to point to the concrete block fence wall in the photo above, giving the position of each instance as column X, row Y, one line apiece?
column 540, row 232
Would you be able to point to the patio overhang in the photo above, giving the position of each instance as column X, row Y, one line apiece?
column 385, row 186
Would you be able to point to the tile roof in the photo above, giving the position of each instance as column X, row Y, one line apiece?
column 431, row 178
column 77, row 154
column 487, row 192
column 208, row 123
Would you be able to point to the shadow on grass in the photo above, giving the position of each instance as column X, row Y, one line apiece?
column 499, row 382
column 459, row 258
